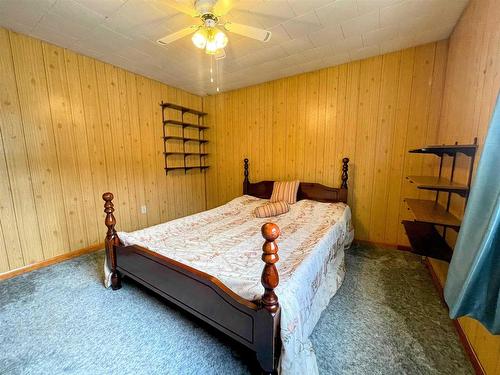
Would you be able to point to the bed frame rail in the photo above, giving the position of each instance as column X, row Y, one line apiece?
column 254, row 324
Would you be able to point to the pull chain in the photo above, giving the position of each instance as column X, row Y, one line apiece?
column 215, row 79
column 218, row 73
column 212, row 69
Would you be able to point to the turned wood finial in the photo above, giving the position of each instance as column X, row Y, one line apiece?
column 270, row 277
column 345, row 176
column 245, row 162
column 110, row 220
column 111, row 239
column 245, row 173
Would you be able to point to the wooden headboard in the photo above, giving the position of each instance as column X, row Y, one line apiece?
column 307, row 190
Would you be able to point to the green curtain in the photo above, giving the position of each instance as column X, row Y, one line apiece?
column 473, row 284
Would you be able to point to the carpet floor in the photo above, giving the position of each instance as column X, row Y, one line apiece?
column 385, row 319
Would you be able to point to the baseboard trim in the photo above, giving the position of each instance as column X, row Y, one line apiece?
column 476, row 364
column 383, row 244
column 48, row 262
column 468, row 348
column 404, row 248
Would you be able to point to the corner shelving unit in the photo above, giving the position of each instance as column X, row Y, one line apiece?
column 183, row 124
column 424, row 238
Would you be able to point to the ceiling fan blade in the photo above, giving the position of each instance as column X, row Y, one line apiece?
column 181, row 8
column 248, row 31
column 222, row 7
column 167, row 39
column 220, row 54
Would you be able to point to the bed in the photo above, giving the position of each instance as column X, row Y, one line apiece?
column 209, row 264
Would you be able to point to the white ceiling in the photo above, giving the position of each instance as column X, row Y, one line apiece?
column 307, row 34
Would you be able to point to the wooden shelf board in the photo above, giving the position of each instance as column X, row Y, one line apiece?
column 188, row 167
column 438, row 183
column 186, row 153
column 428, row 211
column 451, row 150
column 172, row 168
column 184, row 139
column 184, row 124
column 183, row 109
column 426, row 241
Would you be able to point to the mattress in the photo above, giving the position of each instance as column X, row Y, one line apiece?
column 226, row 243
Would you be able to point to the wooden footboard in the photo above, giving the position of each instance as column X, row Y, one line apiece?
column 254, row 324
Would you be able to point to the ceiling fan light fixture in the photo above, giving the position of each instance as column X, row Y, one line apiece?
column 211, row 39
column 199, row 38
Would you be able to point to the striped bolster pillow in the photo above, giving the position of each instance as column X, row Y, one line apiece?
column 285, row 191
column 272, row 209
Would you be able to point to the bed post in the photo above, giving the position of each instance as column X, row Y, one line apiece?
column 345, row 176
column 270, row 277
column 111, row 240
column 246, row 182
column 268, row 345
column 345, row 169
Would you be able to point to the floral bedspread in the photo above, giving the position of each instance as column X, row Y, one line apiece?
column 226, row 243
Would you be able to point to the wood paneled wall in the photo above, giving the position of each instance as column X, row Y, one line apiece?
column 372, row 111
column 71, row 128
column 471, row 88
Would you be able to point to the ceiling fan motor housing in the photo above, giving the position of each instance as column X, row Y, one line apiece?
column 204, row 6
column 209, row 19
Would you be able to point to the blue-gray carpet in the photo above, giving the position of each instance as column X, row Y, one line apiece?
column 386, row 319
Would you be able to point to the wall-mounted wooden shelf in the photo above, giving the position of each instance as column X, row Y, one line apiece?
column 429, row 211
column 422, row 233
column 184, row 138
column 166, row 138
column 183, row 109
column 184, row 124
column 439, row 184
column 186, row 153
column 449, row 150
column 426, row 241
column 200, row 167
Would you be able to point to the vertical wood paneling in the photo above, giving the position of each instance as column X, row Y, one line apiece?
column 95, row 140
column 398, row 149
column 121, row 187
column 304, row 125
column 331, row 163
column 105, row 133
column 156, row 97
column 19, row 194
column 385, row 134
column 471, row 89
column 69, row 174
column 7, row 219
column 128, row 143
column 41, row 148
column 136, row 142
column 81, row 148
column 369, row 92
column 71, row 128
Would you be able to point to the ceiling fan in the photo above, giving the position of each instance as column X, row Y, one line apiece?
column 208, row 35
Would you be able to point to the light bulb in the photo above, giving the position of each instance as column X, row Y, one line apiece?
column 211, row 47
column 220, row 39
column 200, row 38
